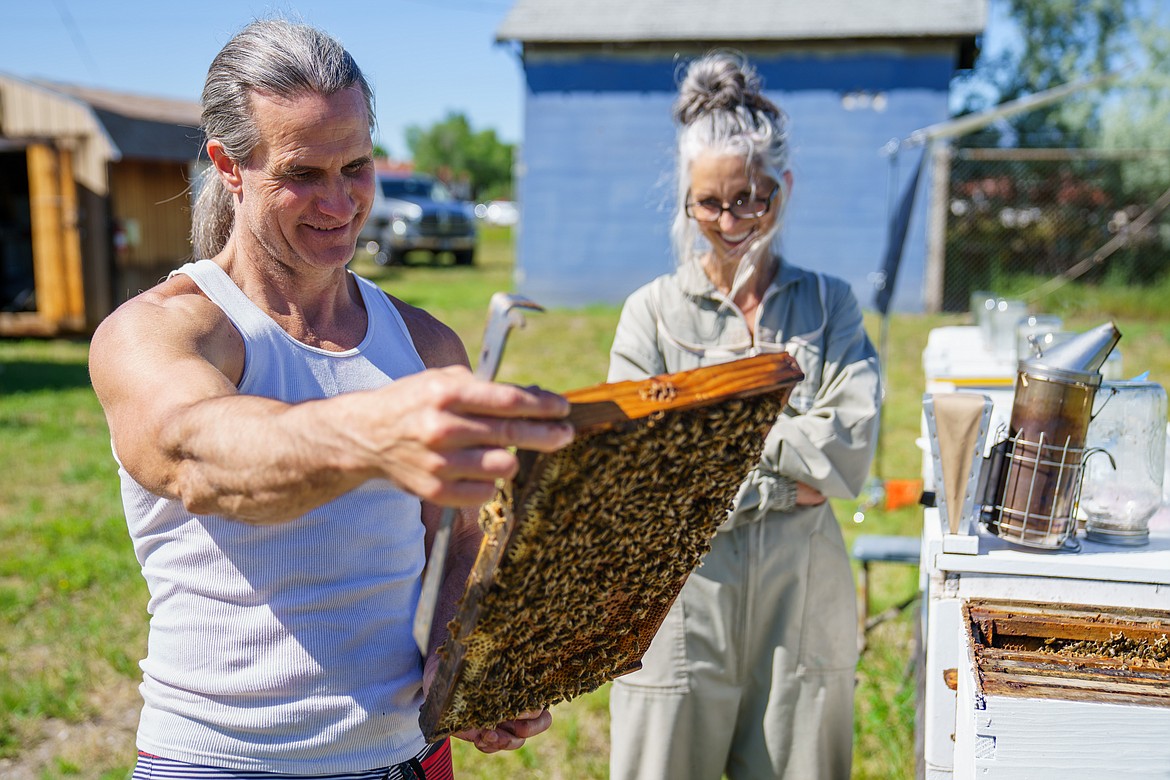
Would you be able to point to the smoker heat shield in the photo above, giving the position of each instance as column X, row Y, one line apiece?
column 587, row 548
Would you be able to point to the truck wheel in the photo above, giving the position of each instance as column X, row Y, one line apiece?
column 465, row 257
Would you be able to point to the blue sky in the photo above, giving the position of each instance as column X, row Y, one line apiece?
column 424, row 58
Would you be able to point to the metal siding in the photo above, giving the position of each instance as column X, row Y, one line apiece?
column 596, row 193
column 845, row 189
column 594, row 224
column 840, row 71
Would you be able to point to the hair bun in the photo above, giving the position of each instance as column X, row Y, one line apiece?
column 720, row 82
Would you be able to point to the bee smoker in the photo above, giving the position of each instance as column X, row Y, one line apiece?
column 1034, row 477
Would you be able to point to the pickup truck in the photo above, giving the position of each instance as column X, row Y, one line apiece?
column 416, row 212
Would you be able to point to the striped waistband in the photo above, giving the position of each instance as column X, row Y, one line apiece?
column 432, row 763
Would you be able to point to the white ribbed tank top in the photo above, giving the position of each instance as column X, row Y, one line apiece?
column 286, row 648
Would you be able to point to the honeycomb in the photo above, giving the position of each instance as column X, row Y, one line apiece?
column 1130, row 650
column 584, row 552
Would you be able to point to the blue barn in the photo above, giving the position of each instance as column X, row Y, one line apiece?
column 594, row 172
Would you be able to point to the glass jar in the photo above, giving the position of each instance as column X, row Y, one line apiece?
column 1005, row 317
column 1112, row 367
column 1125, row 462
column 980, row 305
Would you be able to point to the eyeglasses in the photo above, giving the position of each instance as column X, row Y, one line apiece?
column 710, row 210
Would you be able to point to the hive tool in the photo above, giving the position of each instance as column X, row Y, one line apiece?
column 506, row 311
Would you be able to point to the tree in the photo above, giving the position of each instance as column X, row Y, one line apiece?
column 1139, row 117
column 1077, row 204
column 1048, row 43
column 451, row 150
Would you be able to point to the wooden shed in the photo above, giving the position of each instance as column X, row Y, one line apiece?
column 94, row 201
column 594, row 175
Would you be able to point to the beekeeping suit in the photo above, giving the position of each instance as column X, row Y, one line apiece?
column 752, row 671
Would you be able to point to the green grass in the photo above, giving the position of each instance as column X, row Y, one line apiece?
column 536, row 353
column 72, row 601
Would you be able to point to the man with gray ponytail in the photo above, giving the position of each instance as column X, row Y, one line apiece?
column 751, row 673
column 286, row 434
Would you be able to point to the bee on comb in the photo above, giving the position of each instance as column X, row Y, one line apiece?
column 587, row 548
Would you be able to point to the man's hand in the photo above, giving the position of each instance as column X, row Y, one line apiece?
column 446, row 436
column 509, row 735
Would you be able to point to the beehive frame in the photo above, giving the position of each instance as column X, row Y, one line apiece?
column 586, row 549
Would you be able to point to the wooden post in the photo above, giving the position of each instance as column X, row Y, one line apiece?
column 71, row 243
column 936, row 224
column 44, row 190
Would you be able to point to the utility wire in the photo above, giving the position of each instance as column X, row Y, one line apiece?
column 75, row 34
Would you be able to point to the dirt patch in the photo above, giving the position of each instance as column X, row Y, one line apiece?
column 86, row 749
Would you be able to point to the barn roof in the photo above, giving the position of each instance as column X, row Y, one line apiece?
column 141, row 126
column 133, row 126
column 631, row 21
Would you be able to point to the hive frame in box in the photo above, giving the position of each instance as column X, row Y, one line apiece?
column 586, row 549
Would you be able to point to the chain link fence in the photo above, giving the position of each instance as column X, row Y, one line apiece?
column 1026, row 218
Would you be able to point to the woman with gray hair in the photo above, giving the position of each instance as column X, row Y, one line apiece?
column 751, row 674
